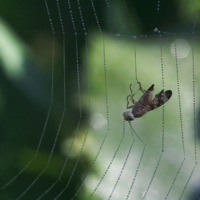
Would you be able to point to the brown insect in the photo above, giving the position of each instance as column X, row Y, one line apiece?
column 145, row 103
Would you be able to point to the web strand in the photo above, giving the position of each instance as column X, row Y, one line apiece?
column 86, row 70
column 64, row 107
column 118, row 179
column 48, row 114
column 111, row 162
column 152, row 177
column 179, row 98
column 163, row 107
column 135, row 65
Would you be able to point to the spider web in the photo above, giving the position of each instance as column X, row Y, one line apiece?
column 66, row 67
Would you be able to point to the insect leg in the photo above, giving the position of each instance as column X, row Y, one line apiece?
column 141, row 87
column 127, row 100
column 132, row 100
column 127, row 107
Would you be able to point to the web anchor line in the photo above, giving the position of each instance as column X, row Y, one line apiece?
column 136, row 67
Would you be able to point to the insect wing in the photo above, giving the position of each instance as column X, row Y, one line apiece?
column 160, row 99
column 147, row 96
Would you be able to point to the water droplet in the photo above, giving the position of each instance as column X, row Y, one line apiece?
column 155, row 29
column 158, row 31
column 85, row 33
column 118, row 34
column 134, row 37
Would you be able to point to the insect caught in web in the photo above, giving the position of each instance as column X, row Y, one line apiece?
column 145, row 103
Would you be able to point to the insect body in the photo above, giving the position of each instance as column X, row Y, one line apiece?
column 145, row 103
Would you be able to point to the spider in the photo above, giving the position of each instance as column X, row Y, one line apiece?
column 145, row 103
